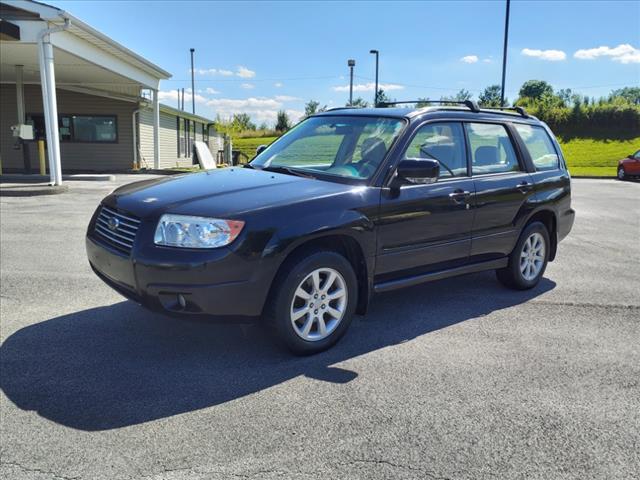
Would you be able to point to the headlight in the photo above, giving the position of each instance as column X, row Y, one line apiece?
column 196, row 232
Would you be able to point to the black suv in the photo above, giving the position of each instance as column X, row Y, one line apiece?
column 348, row 203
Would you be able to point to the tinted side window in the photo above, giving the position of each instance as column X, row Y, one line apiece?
column 443, row 142
column 491, row 149
column 540, row 147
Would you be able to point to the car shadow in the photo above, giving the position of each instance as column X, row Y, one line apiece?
column 119, row 365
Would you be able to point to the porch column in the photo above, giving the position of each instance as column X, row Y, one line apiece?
column 156, row 130
column 20, row 93
column 49, row 100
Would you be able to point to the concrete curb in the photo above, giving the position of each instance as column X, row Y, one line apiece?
column 25, row 178
column 32, row 190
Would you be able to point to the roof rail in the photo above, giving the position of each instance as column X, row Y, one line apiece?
column 470, row 104
column 339, row 108
column 519, row 110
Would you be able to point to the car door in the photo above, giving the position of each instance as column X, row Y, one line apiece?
column 502, row 188
column 428, row 226
column 634, row 164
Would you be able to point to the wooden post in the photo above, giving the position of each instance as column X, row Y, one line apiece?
column 43, row 169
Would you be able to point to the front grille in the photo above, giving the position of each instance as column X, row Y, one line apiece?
column 116, row 229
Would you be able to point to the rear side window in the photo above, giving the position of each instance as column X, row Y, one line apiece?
column 491, row 149
column 539, row 145
column 443, row 142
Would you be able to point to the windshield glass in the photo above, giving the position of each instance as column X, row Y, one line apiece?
column 344, row 146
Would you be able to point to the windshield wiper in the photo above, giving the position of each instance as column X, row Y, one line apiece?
column 287, row 171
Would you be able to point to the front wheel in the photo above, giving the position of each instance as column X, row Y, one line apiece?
column 621, row 174
column 528, row 260
column 314, row 301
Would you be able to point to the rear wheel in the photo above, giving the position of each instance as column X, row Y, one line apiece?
column 529, row 258
column 314, row 301
column 621, row 173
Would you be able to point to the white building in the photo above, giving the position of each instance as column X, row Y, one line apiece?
column 83, row 92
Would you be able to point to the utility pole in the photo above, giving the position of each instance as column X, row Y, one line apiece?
column 193, row 85
column 182, row 108
column 375, row 95
column 504, row 53
column 351, row 64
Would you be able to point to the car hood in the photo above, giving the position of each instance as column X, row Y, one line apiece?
column 227, row 192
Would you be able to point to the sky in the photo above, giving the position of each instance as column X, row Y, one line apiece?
column 261, row 57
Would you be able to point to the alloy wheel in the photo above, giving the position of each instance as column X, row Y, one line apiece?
column 532, row 256
column 319, row 304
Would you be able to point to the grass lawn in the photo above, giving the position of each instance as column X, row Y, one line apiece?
column 585, row 156
column 248, row 145
column 589, row 156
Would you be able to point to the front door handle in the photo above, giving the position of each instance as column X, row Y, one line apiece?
column 524, row 187
column 459, row 196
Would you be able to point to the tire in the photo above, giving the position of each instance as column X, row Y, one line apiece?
column 621, row 174
column 298, row 308
column 528, row 260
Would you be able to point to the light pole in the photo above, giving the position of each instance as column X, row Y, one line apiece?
column 375, row 95
column 193, row 85
column 504, row 53
column 351, row 64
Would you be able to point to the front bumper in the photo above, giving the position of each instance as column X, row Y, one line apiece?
column 217, row 283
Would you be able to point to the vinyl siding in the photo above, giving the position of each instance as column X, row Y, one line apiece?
column 168, row 140
column 74, row 156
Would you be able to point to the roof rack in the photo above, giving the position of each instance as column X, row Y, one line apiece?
column 470, row 104
column 519, row 110
column 339, row 108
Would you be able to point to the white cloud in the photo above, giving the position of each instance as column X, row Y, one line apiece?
column 244, row 72
column 286, row 98
column 369, row 87
column 172, row 96
column 212, row 91
column 623, row 53
column 487, row 60
column 247, row 86
column 549, row 55
column 470, row 59
column 278, row 84
column 261, row 109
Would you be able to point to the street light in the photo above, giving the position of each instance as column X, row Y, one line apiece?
column 375, row 95
column 193, row 91
column 351, row 64
column 504, row 53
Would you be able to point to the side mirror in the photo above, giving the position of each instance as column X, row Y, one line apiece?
column 416, row 171
column 260, row 149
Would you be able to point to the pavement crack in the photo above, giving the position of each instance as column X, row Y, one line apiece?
column 584, row 304
column 38, row 470
column 377, row 461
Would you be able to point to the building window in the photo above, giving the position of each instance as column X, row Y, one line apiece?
column 80, row 128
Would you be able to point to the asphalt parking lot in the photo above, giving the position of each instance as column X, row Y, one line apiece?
column 458, row 379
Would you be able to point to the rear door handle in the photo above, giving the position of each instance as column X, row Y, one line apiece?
column 524, row 187
column 459, row 196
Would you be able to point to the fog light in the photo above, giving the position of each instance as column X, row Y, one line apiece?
column 181, row 301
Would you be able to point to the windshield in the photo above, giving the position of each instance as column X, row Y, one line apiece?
column 344, row 146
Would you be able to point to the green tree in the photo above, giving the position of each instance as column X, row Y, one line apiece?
column 422, row 102
column 382, row 97
column 461, row 96
column 241, row 122
column 312, row 107
column 282, row 122
column 358, row 103
column 630, row 94
column 263, row 126
column 566, row 95
column 490, row 96
column 535, row 89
